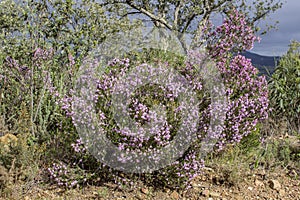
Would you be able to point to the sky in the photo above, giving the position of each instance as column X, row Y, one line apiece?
column 275, row 42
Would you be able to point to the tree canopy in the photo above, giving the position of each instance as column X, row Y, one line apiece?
column 189, row 16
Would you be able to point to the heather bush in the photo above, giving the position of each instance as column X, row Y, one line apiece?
column 40, row 58
column 284, row 88
column 233, row 36
column 246, row 91
column 248, row 99
column 247, row 105
column 144, row 98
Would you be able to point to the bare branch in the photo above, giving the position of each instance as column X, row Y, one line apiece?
column 219, row 4
column 188, row 23
column 199, row 31
column 112, row 2
column 176, row 13
column 149, row 14
column 131, row 13
column 185, row 12
column 258, row 17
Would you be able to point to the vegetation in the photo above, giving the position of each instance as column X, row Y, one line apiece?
column 44, row 44
column 285, row 87
column 190, row 17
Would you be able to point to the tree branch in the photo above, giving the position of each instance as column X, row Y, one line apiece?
column 149, row 14
column 176, row 13
column 260, row 16
column 198, row 32
column 111, row 3
column 130, row 13
column 188, row 23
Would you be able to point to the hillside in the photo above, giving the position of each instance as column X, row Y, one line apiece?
column 265, row 64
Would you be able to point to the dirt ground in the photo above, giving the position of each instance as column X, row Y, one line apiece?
column 229, row 178
column 212, row 185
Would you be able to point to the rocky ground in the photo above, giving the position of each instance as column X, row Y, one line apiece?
column 233, row 175
column 212, row 185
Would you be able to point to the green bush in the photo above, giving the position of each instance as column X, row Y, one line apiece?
column 284, row 87
column 19, row 156
column 42, row 45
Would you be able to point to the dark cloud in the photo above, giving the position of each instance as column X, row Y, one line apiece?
column 276, row 42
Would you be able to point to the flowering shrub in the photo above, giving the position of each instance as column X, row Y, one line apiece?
column 248, row 99
column 248, row 93
column 165, row 126
column 234, row 35
column 66, row 176
column 247, row 102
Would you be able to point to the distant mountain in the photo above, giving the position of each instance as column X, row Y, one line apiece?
column 265, row 64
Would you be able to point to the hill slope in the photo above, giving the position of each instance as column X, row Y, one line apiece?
column 265, row 64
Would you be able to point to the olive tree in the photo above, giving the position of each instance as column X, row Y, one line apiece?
column 65, row 25
column 190, row 16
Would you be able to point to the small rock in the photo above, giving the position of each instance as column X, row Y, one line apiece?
column 214, row 194
column 275, row 185
column 205, row 193
column 139, row 197
column 174, row 195
column 167, row 190
column 262, row 172
column 195, row 185
column 201, row 185
column 145, row 191
column 250, row 188
column 238, row 197
column 259, row 183
column 281, row 192
column 208, row 169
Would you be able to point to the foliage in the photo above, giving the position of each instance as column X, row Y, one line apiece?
column 285, row 87
column 247, row 103
column 248, row 93
column 67, row 26
column 190, row 17
column 19, row 156
column 43, row 45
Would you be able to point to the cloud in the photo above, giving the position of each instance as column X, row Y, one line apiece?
column 276, row 42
